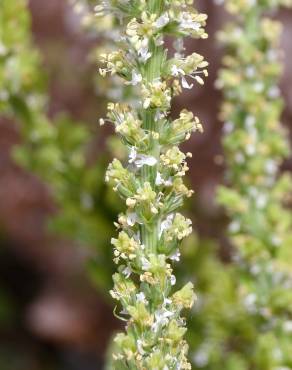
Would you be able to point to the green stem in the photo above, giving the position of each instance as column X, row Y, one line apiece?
column 150, row 232
column 155, row 6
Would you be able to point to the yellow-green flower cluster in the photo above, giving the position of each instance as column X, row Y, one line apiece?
column 239, row 7
column 256, row 197
column 151, row 182
column 17, row 62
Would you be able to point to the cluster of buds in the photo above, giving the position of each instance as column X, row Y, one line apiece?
column 257, row 196
column 151, row 183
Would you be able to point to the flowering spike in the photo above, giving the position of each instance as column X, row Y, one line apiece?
column 151, row 184
column 255, row 145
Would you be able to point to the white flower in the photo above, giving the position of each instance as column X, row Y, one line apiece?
column 132, row 218
column 185, row 84
column 161, row 319
column 178, row 45
column 143, row 51
column 146, row 103
column 176, row 256
column 172, row 280
column 159, row 41
column 127, row 271
column 158, row 116
column 132, row 155
column 162, row 21
column 145, row 264
column 175, row 71
column 141, row 298
column 136, row 78
column 166, row 224
column 145, row 54
column 140, row 159
column 166, row 301
column 160, row 181
column 145, row 160
column 115, row 294
column 187, row 22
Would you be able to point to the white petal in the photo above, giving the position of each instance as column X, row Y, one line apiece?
column 127, row 271
column 162, row 21
column 172, row 280
column 136, row 78
column 185, row 84
column 146, row 103
column 176, row 256
column 174, row 70
column 145, row 264
column 141, row 297
column 159, row 181
column 132, row 155
column 132, row 219
column 143, row 160
column 166, row 224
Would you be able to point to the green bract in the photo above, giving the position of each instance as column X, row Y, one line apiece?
column 151, row 182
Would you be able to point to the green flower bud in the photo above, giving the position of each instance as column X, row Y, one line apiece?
column 185, row 297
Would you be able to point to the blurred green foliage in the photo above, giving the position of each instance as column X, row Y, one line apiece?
column 54, row 149
column 19, row 79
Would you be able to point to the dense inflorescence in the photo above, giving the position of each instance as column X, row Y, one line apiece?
column 151, row 184
column 257, row 197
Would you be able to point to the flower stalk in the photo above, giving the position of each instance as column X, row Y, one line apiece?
column 151, row 184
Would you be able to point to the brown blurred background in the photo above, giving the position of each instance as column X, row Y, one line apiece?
column 54, row 317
